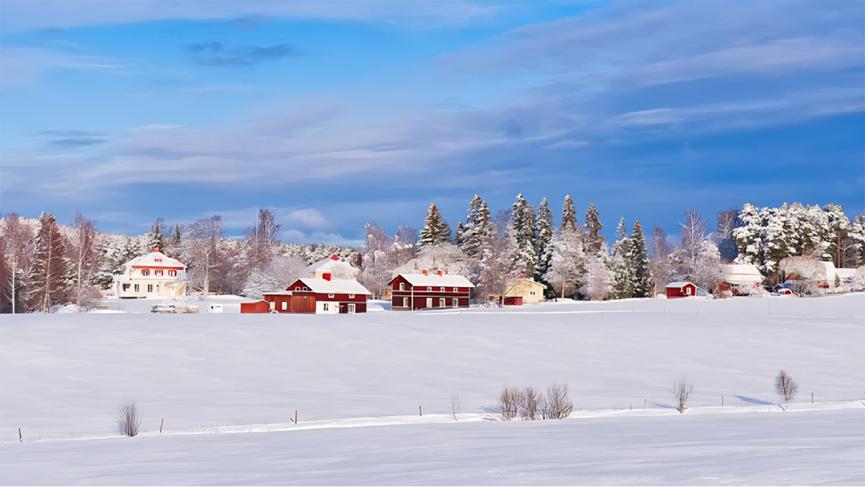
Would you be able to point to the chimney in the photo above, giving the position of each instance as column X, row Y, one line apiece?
column 334, row 257
column 326, row 276
column 440, row 272
column 424, row 272
column 154, row 249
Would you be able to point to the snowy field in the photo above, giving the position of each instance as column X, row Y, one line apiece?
column 227, row 384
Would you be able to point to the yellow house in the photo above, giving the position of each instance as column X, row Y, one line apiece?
column 529, row 290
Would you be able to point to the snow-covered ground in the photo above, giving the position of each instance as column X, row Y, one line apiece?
column 357, row 382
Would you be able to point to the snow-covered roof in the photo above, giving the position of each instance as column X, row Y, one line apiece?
column 680, row 284
column 746, row 274
column 333, row 265
column 334, row 286
column 433, row 279
column 155, row 259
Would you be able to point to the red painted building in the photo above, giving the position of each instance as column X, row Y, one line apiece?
column 430, row 290
column 255, row 307
column 323, row 295
column 682, row 289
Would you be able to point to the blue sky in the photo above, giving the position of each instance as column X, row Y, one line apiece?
column 337, row 113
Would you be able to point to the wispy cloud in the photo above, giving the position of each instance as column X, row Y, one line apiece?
column 218, row 54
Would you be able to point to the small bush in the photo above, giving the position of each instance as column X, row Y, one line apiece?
column 785, row 386
column 510, row 400
column 530, row 406
column 682, row 390
column 129, row 419
column 557, row 403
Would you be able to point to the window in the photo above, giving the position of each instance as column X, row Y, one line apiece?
column 172, row 273
column 442, row 302
column 136, row 287
column 145, row 272
column 456, row 290
column 285, row 305
column 687, row 290
column 456, row 303
column 442, row 289
column 272, row 305
column 325, row 306
column 157, row 260
column 126, row 287
column 405, row 302
column 351, row 296
column 157, row 273
column 330, row 295
column 402, row 286
column 150, row 288
column 351, row 308
column 428, row 288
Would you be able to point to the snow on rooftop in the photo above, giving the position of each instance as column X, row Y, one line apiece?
column 155, row 258
column 433, row 279
column 680, row 284
column 334, row 286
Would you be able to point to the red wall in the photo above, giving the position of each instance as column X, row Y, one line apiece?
column 673, row 292
column 255, row 307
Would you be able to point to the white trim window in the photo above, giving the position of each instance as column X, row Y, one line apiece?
column 145, row 272
column 402, row 286
column 405, row 302
column 456, row 303
column 352, row 309
column 331, row 295
column 351, row 296
column 442, row 302
column 285, row 305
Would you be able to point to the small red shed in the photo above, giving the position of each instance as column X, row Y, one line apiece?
column 513, row 301
column 681, row 289
column 261, row 306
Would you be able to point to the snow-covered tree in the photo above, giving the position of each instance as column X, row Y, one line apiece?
column 46, row 281
column 659, row 263
column 599, row 275
column 697, row 259
column 380, row 258
column 638, row 258
column 201, row 251
column 436, row 230
column 155, row 238
column 593, row 226
column 18, row 240
column 567, row 272
column 543, row 240
column 728, row 220
column 856, row 235
column 838, row 226
column 262, row 239
column 569, row 215
column 478, row 228
column 496, row 264
column 523, row 231
column 620, row 264
column 85, row 261
column 445, row 256
column 276, row 275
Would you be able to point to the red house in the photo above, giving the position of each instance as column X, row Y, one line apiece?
column 428, row 290
column 320, row 295
column 681, row 289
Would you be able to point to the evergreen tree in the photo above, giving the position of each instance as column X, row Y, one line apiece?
column 638, row 258
column 459, row 236
column 857, row 236
column 543, row 239
column 523, row 227
column 567, row 272
column 477, row 230
column 46, row 282
column 569, row 215
column 155, row 239
column 594, row 239
column 623, row 282
column 435, row 230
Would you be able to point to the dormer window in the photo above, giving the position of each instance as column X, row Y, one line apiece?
column 157, row 260
column 157, row 272
column 145, row 272
column 456, row 289
column 402, row 286
column 351, row 296
column 442, row 289
column 172, row 273
column 429, row 288
column 331, row 295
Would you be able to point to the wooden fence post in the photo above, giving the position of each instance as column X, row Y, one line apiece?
column 812, row 398
column 20, row 436
column 161, row 424
column 295, row 416
column 419, row 410
column 722, row 401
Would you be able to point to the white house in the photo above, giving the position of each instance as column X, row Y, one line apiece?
column 335, row 267
column 741, row 279
column 152, row 275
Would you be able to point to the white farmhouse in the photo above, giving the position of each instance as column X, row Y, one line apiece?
column 153, row 275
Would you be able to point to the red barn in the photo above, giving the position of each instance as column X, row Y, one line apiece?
column 323, row 295
column 430, row 291
column 681, row 289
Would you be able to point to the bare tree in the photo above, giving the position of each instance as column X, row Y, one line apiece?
column 455, row 406
column 17, row 237
column 509, row 402
column 529, row 407
column 785, row 386
column 558, row 404
column 128, row 419
column 202, row 248
column 262, row 239
column 85, row 260
column 682, row 390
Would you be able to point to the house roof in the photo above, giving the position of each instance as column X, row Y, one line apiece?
column 680, row 284
column 433, row 279
column 742, row 274
column 334, row 286
column 155, row 259
column 334, row 265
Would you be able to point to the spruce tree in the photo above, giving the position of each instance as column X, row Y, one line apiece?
column 543, row 238
column 623, row 282
column 594, row 239
column 477, row 230
column 155, row 239
column 638, row 258
column 523, row 225
column 435, row 230
column 47, row 280
column 459, row 237
column 569, row 215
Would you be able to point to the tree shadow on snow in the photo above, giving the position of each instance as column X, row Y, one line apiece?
column 752, row 400
column 661, row 405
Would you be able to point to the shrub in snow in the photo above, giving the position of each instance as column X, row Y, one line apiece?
column 557, row 404
column 529, row 407
column 682, row 390
column 785, row 386
column 510, row 400
column 129, row 419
